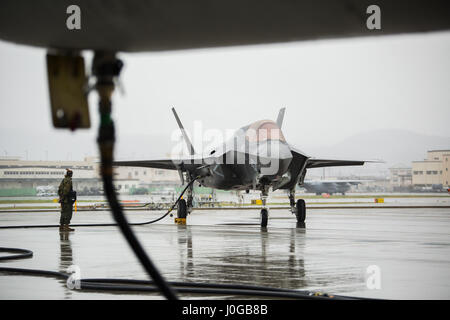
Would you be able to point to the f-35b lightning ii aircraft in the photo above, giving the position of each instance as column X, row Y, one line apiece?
column 257, row 157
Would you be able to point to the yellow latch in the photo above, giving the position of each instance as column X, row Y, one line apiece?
column 379, row 200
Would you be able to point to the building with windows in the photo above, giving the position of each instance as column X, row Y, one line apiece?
column 23, row 177
column 400, row 177
column 147, row 175
column 432, row 172
column 127, row 178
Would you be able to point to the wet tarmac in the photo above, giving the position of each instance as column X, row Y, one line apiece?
column 276, row 198
column 331, row 253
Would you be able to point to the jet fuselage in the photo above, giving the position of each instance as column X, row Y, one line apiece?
column 257, row 155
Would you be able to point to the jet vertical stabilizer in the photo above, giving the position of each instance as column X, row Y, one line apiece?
column 280, row 117
column 186, row 138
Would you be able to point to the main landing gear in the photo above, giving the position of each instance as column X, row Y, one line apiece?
column 182, row 209
column 298, row 208
column 264, row 217
column 185, row 207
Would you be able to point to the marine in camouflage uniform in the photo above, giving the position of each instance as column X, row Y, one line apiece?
column 64, row 190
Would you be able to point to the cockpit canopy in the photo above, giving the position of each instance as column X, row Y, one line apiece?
column 263, row 130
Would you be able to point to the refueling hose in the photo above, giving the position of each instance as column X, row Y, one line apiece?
column 106, row 224
column 106, row 67
column 145, row 286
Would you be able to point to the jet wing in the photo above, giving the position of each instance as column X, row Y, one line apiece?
column 153, row 25
column 319, row 163
column 159, row 164
column 169, row 164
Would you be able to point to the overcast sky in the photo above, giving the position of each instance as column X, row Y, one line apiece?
column 331, row 89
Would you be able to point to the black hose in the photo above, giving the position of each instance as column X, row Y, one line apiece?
column 132, row 285
column 145, row 286
column 220, row 288
column 106, row 67
column 104, row 224
column 22, row 253
column 121, row 220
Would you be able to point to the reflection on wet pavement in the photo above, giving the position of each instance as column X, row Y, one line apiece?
column 330, row 253
column 66, row 258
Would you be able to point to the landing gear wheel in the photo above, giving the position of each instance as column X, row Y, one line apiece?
column 182, row 209
column 264, row 217
column 301, row 210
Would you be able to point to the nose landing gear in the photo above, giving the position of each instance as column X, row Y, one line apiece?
column 264, row 218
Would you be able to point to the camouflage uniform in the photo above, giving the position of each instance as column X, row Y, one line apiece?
column 66, row 204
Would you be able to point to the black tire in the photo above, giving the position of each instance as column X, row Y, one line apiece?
column 182, row 209
column 264, row 217
column 301, row 210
